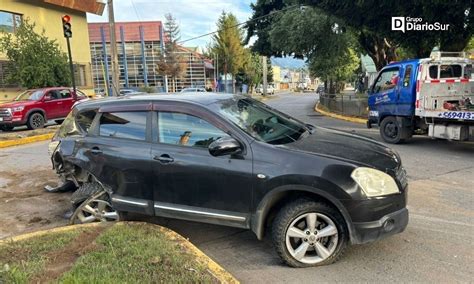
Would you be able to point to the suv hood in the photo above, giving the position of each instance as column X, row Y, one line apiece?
column 17, row 104
column 357, row 149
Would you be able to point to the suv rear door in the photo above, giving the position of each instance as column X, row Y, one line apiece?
column 192, row 184
column 118, row 151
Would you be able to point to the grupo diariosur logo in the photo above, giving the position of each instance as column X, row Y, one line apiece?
column 404, row 24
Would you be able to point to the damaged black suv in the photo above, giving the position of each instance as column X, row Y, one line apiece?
column 233, row 161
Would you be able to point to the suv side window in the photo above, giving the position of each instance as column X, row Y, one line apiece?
column 387, row 80
column 129, row 125
column 186, row 130
column 84, row 119
column 64, row 94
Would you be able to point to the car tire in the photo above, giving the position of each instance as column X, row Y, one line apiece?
column 292, row 234
column 35, row 120
column 390, row 130
column 6, row 128
column 59, row 121
column 85, row 191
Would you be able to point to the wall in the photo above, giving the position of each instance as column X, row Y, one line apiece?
column 48, row 17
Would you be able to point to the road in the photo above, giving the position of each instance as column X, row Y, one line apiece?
column 437, row 246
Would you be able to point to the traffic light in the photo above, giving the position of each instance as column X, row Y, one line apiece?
column 67, row 26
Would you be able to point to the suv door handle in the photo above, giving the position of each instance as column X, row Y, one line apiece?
column 95, row 150
column 164, row 159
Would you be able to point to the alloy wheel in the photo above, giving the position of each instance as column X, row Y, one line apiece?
column 95, row 210
column 311, row 238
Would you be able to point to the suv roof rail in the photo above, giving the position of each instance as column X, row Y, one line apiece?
column 437, row 55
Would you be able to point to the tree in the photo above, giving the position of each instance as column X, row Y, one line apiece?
column 370, row 22
column 228, row 45
column 330, row 51
column 171, row 62
column 34, row 60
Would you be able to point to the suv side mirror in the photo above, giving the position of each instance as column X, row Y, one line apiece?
column 224, row 146
column 47, row 97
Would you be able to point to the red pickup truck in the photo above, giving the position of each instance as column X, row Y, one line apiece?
column 34, row 108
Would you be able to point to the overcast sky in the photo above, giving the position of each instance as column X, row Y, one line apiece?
column 195, row 17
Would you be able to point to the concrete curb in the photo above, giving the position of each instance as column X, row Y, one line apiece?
column 26, row 140
column 339, row 116
column 215, row 269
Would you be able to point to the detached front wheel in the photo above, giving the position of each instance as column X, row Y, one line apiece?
column 95, row 208
column 308, row 233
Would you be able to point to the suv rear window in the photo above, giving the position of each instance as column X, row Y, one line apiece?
column 130, row 125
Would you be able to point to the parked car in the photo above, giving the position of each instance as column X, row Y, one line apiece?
column 191, row 90
column 270, row 89
column 231, row 160
column 130, row 92
column 34, row 108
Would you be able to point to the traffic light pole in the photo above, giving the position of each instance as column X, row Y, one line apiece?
column 71, row 66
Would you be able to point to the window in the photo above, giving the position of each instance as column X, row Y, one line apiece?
column 5, row 72
column 433, row 71
column 80, row 74
column 387, row 80
column 468, row 72
column 450, row 71
column 407, row 76
column 445, row 71
column 186, row 130
column 9, row 22
column 130, row 125
column 84, row 119
column 64, row 94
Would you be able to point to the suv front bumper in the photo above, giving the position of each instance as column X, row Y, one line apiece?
column 390, row 224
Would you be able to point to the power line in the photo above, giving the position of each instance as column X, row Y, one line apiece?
column 242, row 23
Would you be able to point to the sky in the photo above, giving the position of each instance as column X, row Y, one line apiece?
column 195, row 17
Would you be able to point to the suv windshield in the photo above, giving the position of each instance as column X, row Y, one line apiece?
column 260, row 121
column 30, row 96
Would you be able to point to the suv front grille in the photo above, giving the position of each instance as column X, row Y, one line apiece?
column 4, row 112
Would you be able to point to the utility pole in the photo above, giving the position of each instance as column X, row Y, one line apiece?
column 264, row 66
column 113, row 49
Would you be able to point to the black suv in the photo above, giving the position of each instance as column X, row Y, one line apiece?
column 234, row 161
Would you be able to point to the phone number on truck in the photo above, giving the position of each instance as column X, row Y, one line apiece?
column 457, row 115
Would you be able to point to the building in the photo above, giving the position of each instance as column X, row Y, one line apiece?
column 139, row 45
column 46, row 14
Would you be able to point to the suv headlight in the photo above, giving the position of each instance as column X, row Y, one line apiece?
column 52, row 147
column 374, row 182
column 20, row 108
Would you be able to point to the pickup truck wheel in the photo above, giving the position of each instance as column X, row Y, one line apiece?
column 390, row 130
column 308, row 233
column 35, row 121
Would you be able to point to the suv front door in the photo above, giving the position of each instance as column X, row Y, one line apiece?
column 192, row 184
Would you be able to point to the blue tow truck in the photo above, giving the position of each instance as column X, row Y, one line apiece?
column 431, row 96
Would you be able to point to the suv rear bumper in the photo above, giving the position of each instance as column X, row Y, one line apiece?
column 390, row 224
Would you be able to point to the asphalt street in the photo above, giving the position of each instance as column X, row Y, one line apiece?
column 437, row 246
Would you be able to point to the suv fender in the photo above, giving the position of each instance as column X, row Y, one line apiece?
column 36, row 110
column 274, row 197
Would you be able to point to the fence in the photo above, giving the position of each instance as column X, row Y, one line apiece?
column 347, row 104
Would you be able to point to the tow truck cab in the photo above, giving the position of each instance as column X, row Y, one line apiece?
column 432, row 96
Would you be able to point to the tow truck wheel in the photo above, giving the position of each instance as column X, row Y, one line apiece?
column 390, row 130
